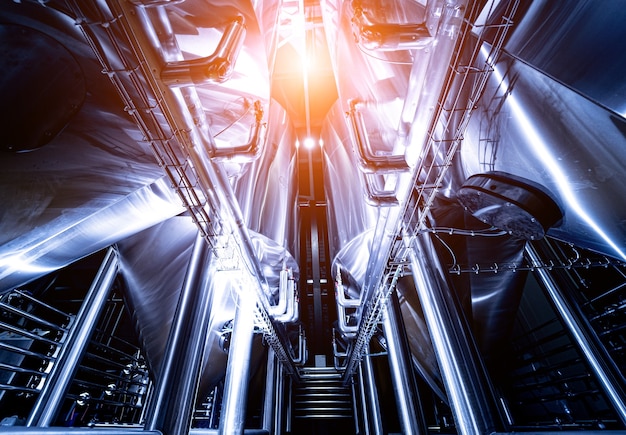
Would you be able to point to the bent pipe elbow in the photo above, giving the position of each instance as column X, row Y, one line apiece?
column 369, row 162
column 376, row 197
column 215, row 68
column 389, row 37
column 373, row 36
column 347, row 330
column 250, row 151
column 345, row 302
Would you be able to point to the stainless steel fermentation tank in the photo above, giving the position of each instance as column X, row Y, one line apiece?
column 312, row 217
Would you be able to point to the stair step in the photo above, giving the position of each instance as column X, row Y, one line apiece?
column 322, row 416
column 322, row 395
column 345, row 404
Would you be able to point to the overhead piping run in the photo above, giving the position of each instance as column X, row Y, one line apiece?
column 390, row 218
column 388, row 226
column 377, row 36
column 128, row 41
column 216, row 68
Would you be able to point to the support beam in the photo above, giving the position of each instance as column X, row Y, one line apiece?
column 370, row 393
column 402, row 376
column 280, row 401
column 582, row 334
column 233, row 415
column 175, row 392
column 52, row 395
column 269, row 402
column 466, row 382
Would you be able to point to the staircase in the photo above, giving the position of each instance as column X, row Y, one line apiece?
column 322, row 404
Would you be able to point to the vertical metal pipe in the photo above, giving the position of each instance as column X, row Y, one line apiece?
column 371, row 393
column 402, row 376
column 363, row 402
column 175, row 392
column 280, row 400
column 355, row 407
column 233, row 415
column 270, row 394
column 53, row 392
column 582, row 336
column 289, row 404
column 467, row 384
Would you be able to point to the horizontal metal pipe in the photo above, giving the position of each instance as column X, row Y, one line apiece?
column 18, row 331
column 18, row 369
column 43, row 304
column 6, row 387
column 26, row 352
column 216, row 432
column 32, row 317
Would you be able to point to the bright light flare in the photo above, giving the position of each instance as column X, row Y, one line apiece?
column 308, row 143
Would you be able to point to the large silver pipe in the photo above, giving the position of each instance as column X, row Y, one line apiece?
column 582, row 336
column 400, row 364
column 174, row 396
column 370, row 392
column 51, row 396
column 233, row 416
column 465, row 380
